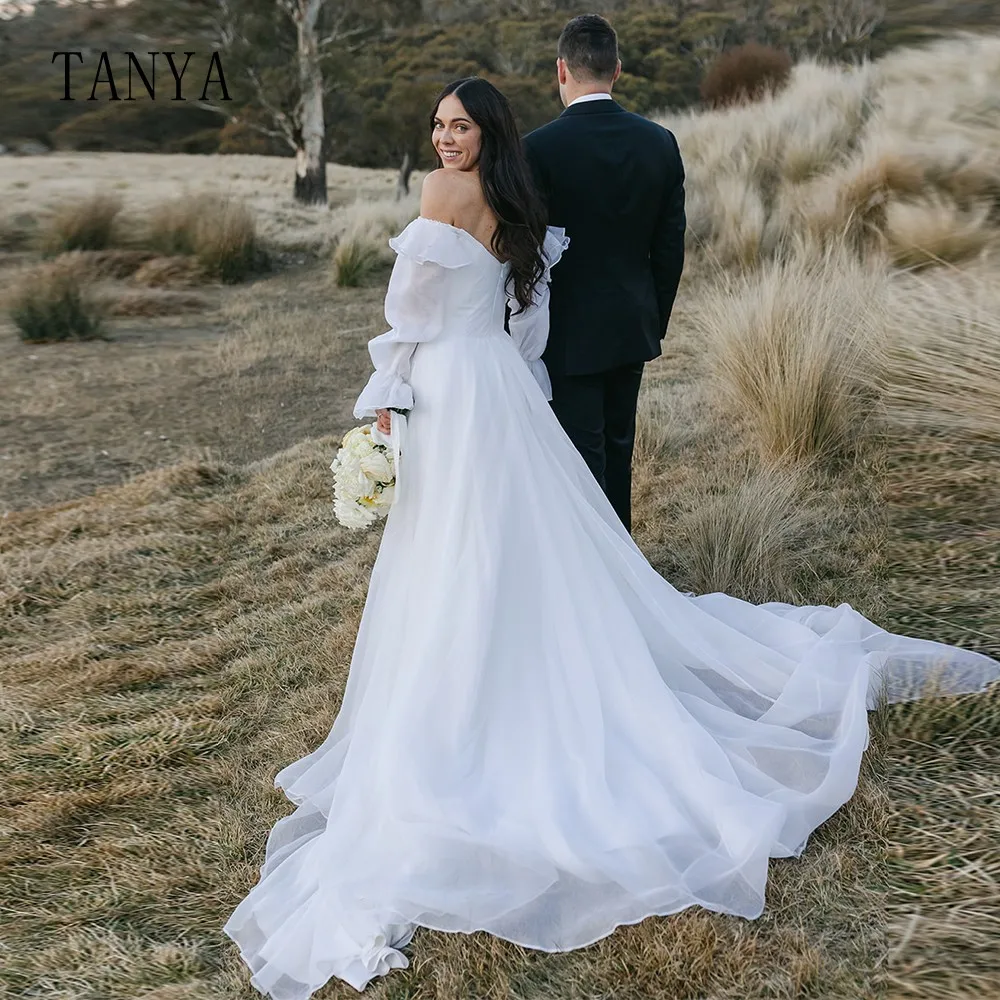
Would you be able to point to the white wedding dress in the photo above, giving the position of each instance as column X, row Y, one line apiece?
column 540, row 737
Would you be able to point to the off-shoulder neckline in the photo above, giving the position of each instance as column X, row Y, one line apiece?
column 465, row 232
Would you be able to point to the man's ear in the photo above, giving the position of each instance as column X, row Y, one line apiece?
column 618, row 72
column 561, row 71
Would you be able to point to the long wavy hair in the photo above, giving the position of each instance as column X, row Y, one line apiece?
column 507, row 182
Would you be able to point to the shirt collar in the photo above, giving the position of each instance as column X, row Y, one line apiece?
column 590, row 97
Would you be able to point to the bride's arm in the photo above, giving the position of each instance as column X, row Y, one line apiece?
column 414, row 303
column 529, row 327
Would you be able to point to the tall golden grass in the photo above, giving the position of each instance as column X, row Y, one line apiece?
column 85, row 224
column 360, row 231
column 795, row 351
column 831, row 153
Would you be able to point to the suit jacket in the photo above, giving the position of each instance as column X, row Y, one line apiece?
column 615, row 182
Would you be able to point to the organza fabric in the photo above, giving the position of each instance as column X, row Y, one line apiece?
column 540, row 737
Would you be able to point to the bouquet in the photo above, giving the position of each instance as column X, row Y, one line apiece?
column 364, row 477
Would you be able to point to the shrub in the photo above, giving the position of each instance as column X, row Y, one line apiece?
column 87, row 224
column 745, row 73
column 52, row 305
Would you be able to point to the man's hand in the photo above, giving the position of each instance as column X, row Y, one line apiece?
column 383, row 421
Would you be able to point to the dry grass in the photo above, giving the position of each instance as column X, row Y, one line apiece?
column 795, row 351
column 146, row 181
column 355, row 260
column 225, row 242
column 168, row 643
column 246, row 377
column 942, row 495
column 137, row 302
column 220, row 234
column 85, row 224
column 359, row 232
column 51, row 304
column 943, row 352
column 936, row 230
column 744, row 74
column 172, row 270
column 172, row 225
column 828, row 156
column 758, row 539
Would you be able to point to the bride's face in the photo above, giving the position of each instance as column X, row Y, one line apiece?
column 457, row 138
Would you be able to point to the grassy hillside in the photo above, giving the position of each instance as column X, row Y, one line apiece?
column 823, row 426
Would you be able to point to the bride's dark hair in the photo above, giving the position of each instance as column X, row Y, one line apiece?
column 507, row 183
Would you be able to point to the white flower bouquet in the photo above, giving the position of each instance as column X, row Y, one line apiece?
column 364, row 477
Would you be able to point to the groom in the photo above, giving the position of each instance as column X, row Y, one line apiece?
column 615, row 182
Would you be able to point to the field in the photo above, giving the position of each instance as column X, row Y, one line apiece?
column 178, row 605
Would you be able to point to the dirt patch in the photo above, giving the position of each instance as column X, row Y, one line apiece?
column 261, row 368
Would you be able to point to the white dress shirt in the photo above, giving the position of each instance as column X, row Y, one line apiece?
column 590, row 97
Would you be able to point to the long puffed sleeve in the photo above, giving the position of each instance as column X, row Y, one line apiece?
column 529, row 328
column 426, row 251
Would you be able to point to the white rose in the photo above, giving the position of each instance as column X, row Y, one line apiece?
column 375, row 465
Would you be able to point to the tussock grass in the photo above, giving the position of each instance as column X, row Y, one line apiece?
column 942, row 495
column 173, row 225
column 376, row 219
column 935, row 230
column 51, row 304
column 744, row 74
column 756, row 540
column 86, row 224
column 829, row 156
column 225, row 242
column 944, row 352
column 794, row 349
column 356, row 258
column 359, row 232
column 220, row 233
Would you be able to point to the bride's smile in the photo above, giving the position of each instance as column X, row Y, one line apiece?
column 456, row 137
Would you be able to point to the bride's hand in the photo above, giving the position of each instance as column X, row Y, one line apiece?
column 383, row 421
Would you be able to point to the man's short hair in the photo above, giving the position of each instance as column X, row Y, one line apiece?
column 589, row 45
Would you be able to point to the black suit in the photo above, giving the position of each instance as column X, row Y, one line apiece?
column 615, row 181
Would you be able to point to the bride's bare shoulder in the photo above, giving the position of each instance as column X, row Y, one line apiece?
column 450, row 196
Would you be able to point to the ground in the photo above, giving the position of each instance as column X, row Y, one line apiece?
column 178, row 608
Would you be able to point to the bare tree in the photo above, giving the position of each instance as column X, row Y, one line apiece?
column 283, row 48
column 309, row 124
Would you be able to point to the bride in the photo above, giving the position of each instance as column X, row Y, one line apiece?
column 540, row 737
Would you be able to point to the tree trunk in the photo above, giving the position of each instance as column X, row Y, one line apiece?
column 403, row 179
column 310, row 158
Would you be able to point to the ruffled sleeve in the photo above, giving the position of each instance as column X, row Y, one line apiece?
column 529, row 328
column 426, row 251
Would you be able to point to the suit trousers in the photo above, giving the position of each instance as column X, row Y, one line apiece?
column 598, row 413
